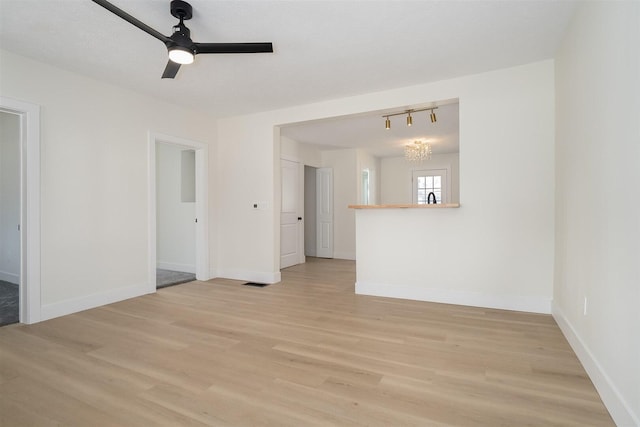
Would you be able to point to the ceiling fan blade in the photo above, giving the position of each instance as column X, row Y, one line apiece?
column 170, row 70
column 233, row 47
column 130, row 19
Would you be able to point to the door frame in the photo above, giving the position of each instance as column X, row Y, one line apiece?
column 201, row 205
column 30, row 240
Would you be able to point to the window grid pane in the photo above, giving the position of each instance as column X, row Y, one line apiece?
column 427, row 184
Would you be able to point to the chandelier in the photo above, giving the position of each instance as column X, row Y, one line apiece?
column 418, row 151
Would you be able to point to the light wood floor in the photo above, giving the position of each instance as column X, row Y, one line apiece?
column 303, row 352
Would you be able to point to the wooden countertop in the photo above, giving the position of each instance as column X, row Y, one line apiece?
column 406, row 206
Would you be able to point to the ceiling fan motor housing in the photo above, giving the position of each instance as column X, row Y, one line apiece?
column 181, row 9
column 181, row 36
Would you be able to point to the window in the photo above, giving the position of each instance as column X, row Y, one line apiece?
column 430, row 181
column 365, row 187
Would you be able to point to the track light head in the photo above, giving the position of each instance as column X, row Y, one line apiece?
column 387, row 123
column 409, row 119
column 433, row 117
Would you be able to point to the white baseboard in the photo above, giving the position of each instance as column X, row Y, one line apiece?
column 620, row 410
column 10, row 277
column 475, row 299
column 74, row 305
column 185, row 268
column 345, row 255
column 250, row 276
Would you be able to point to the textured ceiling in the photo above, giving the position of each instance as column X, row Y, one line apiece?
column 323, row 49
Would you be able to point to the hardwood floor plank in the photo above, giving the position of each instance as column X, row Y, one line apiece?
column 304, row 352
column 341, row 411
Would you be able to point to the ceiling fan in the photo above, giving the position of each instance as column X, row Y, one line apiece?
column 182, row 50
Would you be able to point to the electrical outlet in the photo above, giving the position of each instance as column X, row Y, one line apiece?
column 584, row 308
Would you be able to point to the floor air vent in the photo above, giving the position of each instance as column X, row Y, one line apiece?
column 256, row 285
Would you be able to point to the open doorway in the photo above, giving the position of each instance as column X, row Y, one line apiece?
column 175, row 215
column 9, row 218
column 306, row 214
column 20, row 205
column 310, row 203
column 178, row 219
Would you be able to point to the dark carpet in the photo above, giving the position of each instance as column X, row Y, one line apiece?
column 166, row 278
column 9, row 311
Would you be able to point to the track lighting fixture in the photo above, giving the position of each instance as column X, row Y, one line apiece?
column 432, row 116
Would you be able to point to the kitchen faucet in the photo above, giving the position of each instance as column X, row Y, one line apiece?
column 429, row 198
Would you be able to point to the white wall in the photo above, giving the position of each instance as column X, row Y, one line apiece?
column 598, row 201
column 345, row 193
column 397, row 174
column 310, row 155
column 496, row 250
column 9, row 197
column 289, row 149
column 305, row 154
column 506, row 127
column 94, row 180
column 175, row 235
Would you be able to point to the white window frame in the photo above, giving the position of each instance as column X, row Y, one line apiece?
column 444, row 172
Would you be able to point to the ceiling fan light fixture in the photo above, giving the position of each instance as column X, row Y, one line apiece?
column 181, row 55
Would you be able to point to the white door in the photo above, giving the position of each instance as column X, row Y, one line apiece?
column 289, row 216
column 324, row 215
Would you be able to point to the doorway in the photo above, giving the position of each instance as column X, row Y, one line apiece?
column 178, row 218
column 175, row 215
column 310, row 203
column 306, row 214
column 20, row 206
column 9, row 218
